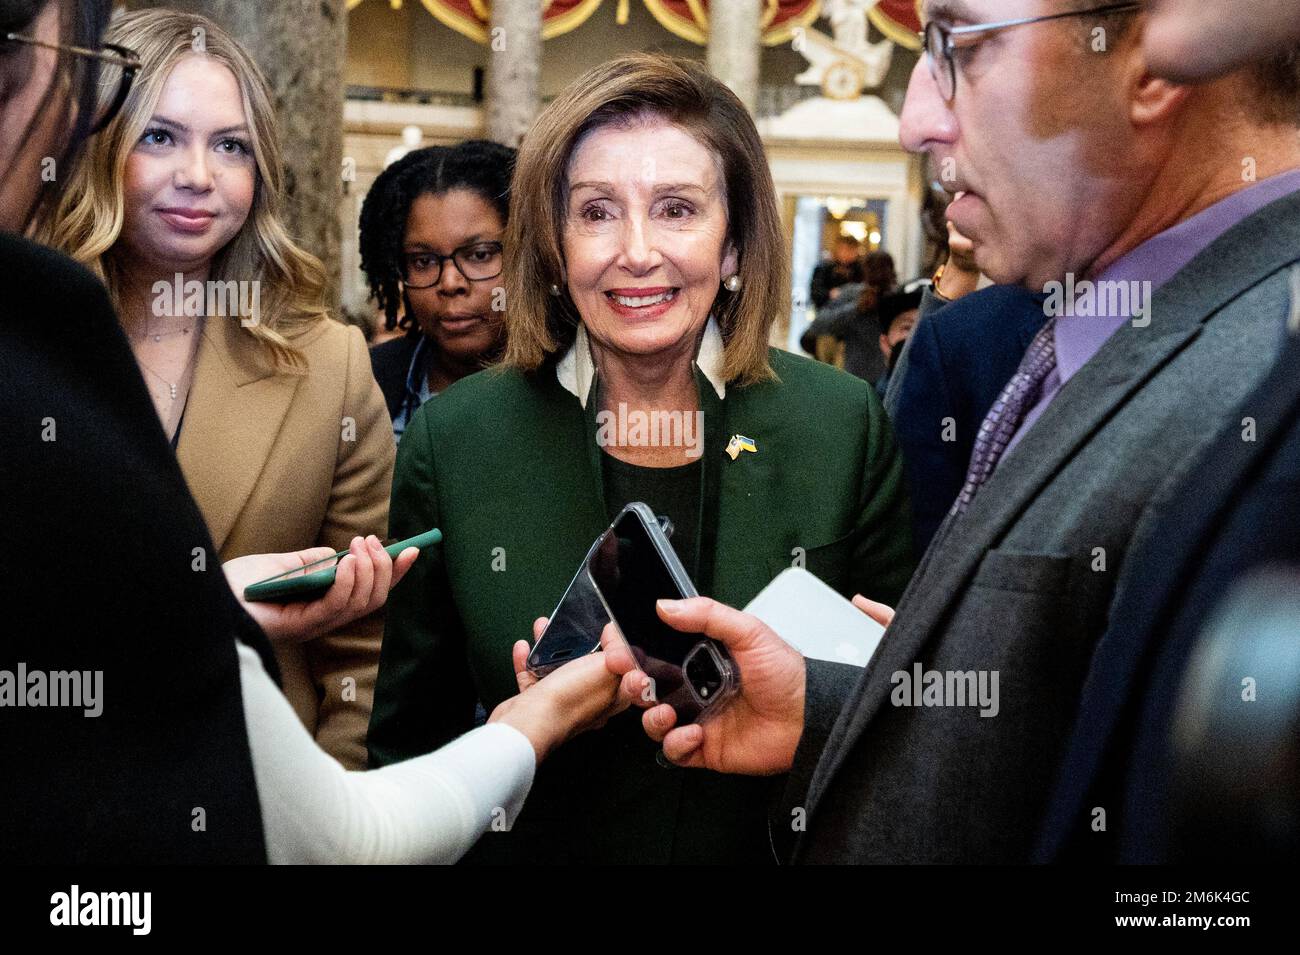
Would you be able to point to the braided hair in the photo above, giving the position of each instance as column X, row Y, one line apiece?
column 477, row 165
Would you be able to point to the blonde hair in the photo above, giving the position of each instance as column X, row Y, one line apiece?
column 89, row 219
column 623, row 91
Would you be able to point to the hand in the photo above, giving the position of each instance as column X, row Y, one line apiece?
column 361, row 585
column 961, row 275
column 881, row 613
column 756, row 732
column 961, row 252
column 581, row 695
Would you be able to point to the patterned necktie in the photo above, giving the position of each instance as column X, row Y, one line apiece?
column 1008, row 412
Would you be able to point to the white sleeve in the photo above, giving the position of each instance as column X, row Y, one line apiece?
column 428, row 809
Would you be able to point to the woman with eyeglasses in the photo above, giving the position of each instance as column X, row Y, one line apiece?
column 431, row 230
column 167, row 739
column 276, row 419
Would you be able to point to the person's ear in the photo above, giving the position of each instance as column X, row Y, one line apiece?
column 730, row 261
column 1154, row 100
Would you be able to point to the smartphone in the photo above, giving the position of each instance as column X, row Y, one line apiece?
column 295, row 586
column 628, row 568
column 693, row 674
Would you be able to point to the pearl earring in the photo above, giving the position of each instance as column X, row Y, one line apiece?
column 555, row 290
column 732, row 283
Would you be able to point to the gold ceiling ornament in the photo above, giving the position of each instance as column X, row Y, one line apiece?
column 689, row 19
column 472, row 18
column 900, row 20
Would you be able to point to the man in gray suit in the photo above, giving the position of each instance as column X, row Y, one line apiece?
column 1161, row 221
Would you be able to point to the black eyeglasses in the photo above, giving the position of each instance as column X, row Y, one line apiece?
column 117, row 69
column 941, row 43
column 477, row 261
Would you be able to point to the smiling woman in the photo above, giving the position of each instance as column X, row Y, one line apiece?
column 276, row 419
column 644, row 267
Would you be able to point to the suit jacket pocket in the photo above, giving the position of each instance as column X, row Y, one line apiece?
column 1024, row 572
column 1032, row 618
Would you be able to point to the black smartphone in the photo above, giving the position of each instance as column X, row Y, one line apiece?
column 575, row 625
column 691, row 673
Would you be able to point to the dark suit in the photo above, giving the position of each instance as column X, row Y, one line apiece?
column 1022, row 584
column 960, row 358
column 107, row 566
column 1238, row 510
column 391, row 361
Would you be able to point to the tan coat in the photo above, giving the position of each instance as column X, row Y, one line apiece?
column 279, row 462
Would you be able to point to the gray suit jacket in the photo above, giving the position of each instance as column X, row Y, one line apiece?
column 1022, row 584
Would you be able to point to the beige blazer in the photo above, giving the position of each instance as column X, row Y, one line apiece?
column 279, row 462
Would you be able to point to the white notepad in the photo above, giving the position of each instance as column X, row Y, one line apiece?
column 815, row 620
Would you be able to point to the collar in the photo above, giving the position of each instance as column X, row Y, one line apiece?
column 417, row 373
column 577, row 368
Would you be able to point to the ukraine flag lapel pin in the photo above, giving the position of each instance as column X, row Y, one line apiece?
column 740, row 443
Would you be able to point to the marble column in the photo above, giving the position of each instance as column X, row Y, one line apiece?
column 734, row 46
column 514, row 69
column 301, row 47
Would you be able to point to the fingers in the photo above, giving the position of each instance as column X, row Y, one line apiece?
column 618, row 655
column 339, row 595
column 519, row 657
column 383, row 582
column 365, row 571
column 539, row 627
column 403, row 563
column 311, row 555
column 883, row 614
column 633, row 690
column 658, row 721
column 735, row 630
column 683, row 746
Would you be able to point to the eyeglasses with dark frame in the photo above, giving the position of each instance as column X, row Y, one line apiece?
column 941, row 43
column 424, row 269
column 122, row 65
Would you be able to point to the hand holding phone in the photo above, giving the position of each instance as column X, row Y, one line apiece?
column 758, row 731
column 629, row 568
column 295, row 585
column 358, row 586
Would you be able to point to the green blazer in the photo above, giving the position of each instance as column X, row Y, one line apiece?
column 507, row 465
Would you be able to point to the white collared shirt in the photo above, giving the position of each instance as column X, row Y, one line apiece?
column 577, row 368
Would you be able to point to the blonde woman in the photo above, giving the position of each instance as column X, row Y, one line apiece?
column 271, row 406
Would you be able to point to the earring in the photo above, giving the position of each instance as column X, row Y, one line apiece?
column 555, row 290
column 732, row 283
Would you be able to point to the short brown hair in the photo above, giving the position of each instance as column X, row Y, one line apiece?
column 621, row 91
column 1275, row 81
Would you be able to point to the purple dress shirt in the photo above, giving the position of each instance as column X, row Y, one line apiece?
column 1157, row 260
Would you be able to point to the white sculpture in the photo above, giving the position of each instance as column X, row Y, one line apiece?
column 412, row 137
column 849, row 23
column 847, row 64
